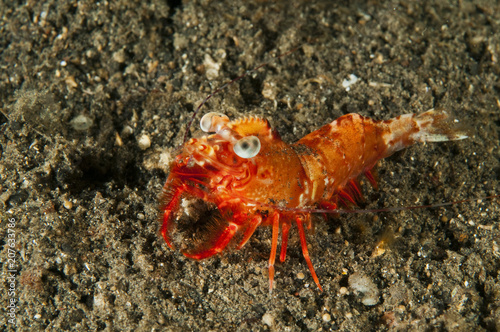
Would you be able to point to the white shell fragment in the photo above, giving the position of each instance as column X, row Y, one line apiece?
column 348, row 82
column 81, row 122
column 211, row 67
column 247, row 147
column 361, row 283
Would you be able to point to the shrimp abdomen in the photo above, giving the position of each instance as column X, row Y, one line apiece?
column 351, row 145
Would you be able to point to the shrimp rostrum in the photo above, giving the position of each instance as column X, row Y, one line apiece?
column 241, row 175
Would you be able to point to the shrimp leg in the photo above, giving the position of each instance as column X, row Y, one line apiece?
column 274, row 246
column 220, row 243
column 305, row 252
column 167, row 212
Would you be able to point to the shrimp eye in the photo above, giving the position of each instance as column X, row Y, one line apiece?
column 210, row 121
column 247, row 147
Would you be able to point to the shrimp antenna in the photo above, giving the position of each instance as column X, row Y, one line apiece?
column 225, row 85
column 363, row 211
column 392, row 209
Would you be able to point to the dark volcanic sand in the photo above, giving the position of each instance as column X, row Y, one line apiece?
column 88, row 251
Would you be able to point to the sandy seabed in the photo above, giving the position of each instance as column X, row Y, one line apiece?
column 95, row 98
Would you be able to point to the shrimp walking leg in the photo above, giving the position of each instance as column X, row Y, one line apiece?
column 285, row 228
column 305, row 252
column 256, row 221
column 274, row 246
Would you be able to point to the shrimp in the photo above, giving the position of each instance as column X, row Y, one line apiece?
column 241, row 176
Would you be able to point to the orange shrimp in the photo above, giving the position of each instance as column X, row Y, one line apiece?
column 224, row 185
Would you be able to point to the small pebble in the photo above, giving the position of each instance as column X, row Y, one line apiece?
column 71, row 82
column 127, row 131
column 67, row 204
column 300, row 276
column 119, row 56
column 211, row 67
column 269, row 91
column 118, row 140
column 327, row 317
column 268, row 319
column 81, row 122
column 144, row 142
